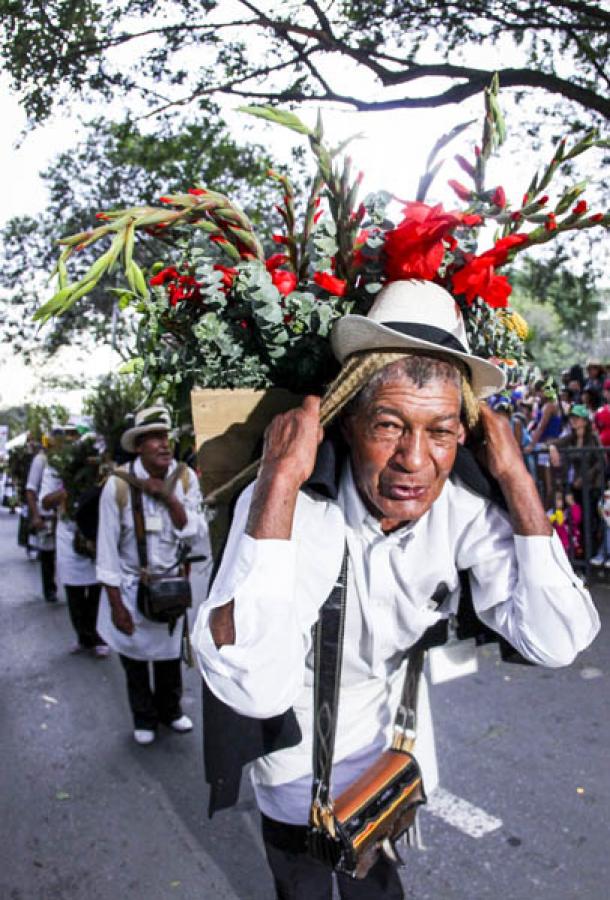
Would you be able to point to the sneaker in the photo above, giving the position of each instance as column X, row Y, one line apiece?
column 78, row 648
column 143, row 736
column 181, row 725
column 597, row 560
column 101, row 651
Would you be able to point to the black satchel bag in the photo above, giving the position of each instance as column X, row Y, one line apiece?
column 161, row 597
column 367, row 819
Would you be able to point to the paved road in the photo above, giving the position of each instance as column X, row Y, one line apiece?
column 87, row 815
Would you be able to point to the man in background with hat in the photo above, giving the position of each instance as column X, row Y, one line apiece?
column 172, row 513
column 404, row 400
column 42, row 521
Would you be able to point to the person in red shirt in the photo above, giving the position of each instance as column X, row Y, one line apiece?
column 601, row 418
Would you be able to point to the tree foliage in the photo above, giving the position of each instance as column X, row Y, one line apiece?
column 560, row 306
column 114, row 165
column 35, row 418
column 182, row 52
column 110, row 404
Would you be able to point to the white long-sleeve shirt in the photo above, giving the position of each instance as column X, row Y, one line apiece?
column 118, row 563
column 523, row 587
column 72, row 568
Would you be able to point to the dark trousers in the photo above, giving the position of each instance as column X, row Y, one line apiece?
column 47, row 570
column 298, row 876
column 159, row 703
column 83, row 602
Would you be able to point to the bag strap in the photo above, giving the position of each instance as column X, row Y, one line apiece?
column 328, row 655
column 138, row 521
column 405, row 721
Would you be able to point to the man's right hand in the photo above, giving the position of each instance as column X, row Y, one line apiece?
column 289, row 455
column 121, row 617
column 36, row 523
column 292, row 440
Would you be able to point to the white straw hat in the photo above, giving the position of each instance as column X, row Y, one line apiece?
column 417, row 314
column 154, row 418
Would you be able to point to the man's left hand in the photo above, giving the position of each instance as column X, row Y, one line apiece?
column 505, row 462
column 502, row 454
column 155, row 488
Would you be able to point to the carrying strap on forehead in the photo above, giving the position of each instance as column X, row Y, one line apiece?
column 360, row 368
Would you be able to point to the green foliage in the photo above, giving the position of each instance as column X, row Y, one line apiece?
column 77, row 463
column 573, row 297
column 560, row 307
column 114, row 399
column 35, row 418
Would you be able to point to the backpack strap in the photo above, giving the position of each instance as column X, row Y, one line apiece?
column 121, row 492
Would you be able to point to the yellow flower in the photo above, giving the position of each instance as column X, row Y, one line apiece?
column 515, row 322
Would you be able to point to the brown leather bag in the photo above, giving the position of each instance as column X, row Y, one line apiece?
column 377, row 809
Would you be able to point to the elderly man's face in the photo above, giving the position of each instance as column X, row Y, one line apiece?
column 155, row 451
column 403, row 443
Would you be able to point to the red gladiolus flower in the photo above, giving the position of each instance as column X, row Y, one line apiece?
column 275, row 261
column 415, row 248
column 498, row 254
column 284, row 281
column 330, row 283
column 516, row 217
column 279, row 238
column 102, row 215
column 499, row 197
column 580, row 208
column 596, row 217
column 462, row 192
column 218, row 239
column 550, row 224
column 165, row 200
column 542, row 200
column 179, row 287
column 197, row 192
column 228, row 275
column 478, row 279
column 165, row 275
column 317, row 215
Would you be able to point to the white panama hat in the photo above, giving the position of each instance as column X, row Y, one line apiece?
column 421, row 315
column 154, row 418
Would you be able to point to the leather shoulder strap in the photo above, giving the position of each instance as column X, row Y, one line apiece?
column 328, row 657
column 138, row 521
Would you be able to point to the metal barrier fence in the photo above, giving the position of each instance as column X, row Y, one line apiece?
column 572, row 494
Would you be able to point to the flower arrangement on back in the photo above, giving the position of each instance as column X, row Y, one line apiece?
column 229, row 310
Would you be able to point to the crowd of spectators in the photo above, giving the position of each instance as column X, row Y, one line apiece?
column 563, row 428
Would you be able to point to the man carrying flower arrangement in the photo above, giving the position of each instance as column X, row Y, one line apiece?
column 405, row 398
column 148, row 519
column 345, row 557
